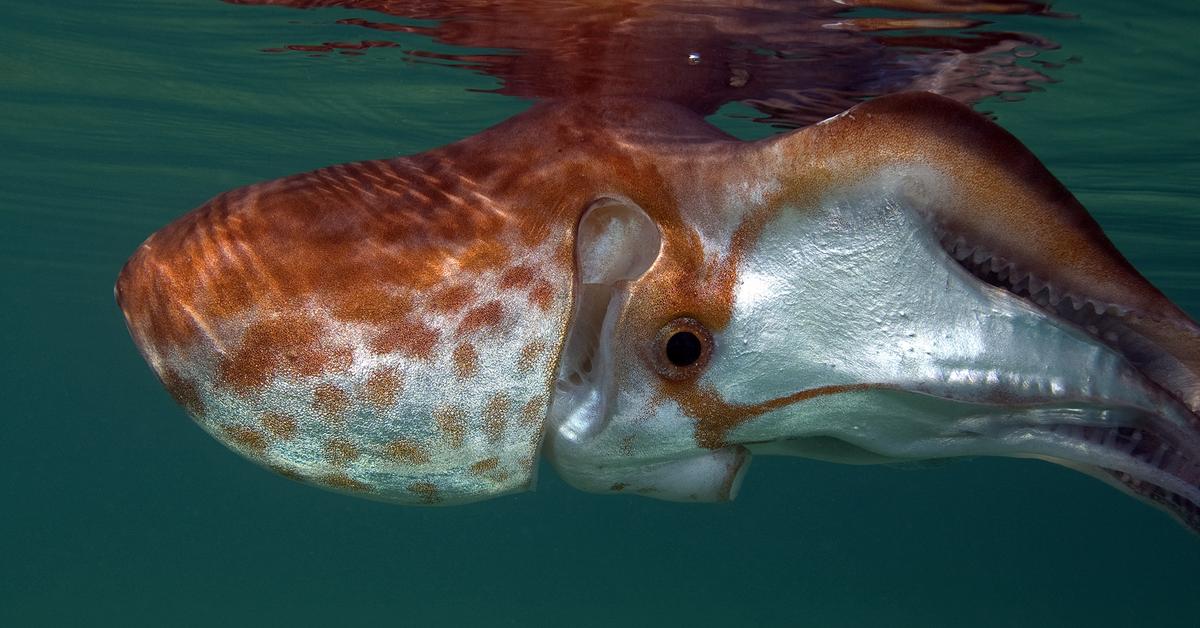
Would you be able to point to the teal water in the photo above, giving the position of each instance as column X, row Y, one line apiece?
column 116, row 510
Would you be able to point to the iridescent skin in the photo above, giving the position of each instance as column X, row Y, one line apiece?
column 419, row 329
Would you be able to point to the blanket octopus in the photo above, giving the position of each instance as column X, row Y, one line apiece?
column 611, row 283
column 618, row 286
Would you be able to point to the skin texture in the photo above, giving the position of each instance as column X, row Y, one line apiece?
column 401, row 317
column 398, row 328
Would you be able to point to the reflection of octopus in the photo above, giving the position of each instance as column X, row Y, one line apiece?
column 610, row 282
column 796, row 62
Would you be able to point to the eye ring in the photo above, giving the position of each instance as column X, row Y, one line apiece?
column 682, row 348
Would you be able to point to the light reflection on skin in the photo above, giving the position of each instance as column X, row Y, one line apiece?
column 901, row 282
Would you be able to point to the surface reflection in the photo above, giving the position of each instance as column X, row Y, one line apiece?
column 795, row 62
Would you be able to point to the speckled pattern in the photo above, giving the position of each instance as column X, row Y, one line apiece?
column 391, row 328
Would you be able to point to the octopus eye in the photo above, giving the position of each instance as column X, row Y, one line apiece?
column 682, row 349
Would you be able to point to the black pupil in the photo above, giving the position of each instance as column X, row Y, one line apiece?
column 683, row 348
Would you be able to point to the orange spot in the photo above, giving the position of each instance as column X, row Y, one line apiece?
column 409, row 337
column 466, row 361
column 285, row 344
column 529, row 355
column 330, row 401
column 542, row 295
column 427, row 491
column 495, row 417
column 485, row 465
column 340, row 452
column 534, row 411
column 381, row 388
column 184, row 392
column 323, row 360
column 452, row 299
column 485, row 316
column 280, row 425
column 516, row 277
column 407, row 451
column 451, row 420
column 344, row 482
column 246, row 437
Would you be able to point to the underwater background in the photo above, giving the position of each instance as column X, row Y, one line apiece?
column 115, row 509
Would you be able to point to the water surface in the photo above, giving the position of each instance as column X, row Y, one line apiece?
column 119, row 116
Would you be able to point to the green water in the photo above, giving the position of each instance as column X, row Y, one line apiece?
column 117, row 510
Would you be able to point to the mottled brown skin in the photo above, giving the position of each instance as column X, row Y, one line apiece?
column 256, row 290
column 531, row 176
column 391, row 249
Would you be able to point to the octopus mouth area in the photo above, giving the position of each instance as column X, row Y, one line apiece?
column 1138, row 461
column 1103, row 321
column 1109, row 323
column 1141, row 462
column 1147, row 455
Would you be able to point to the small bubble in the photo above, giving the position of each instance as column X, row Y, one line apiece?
column 693, row 58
